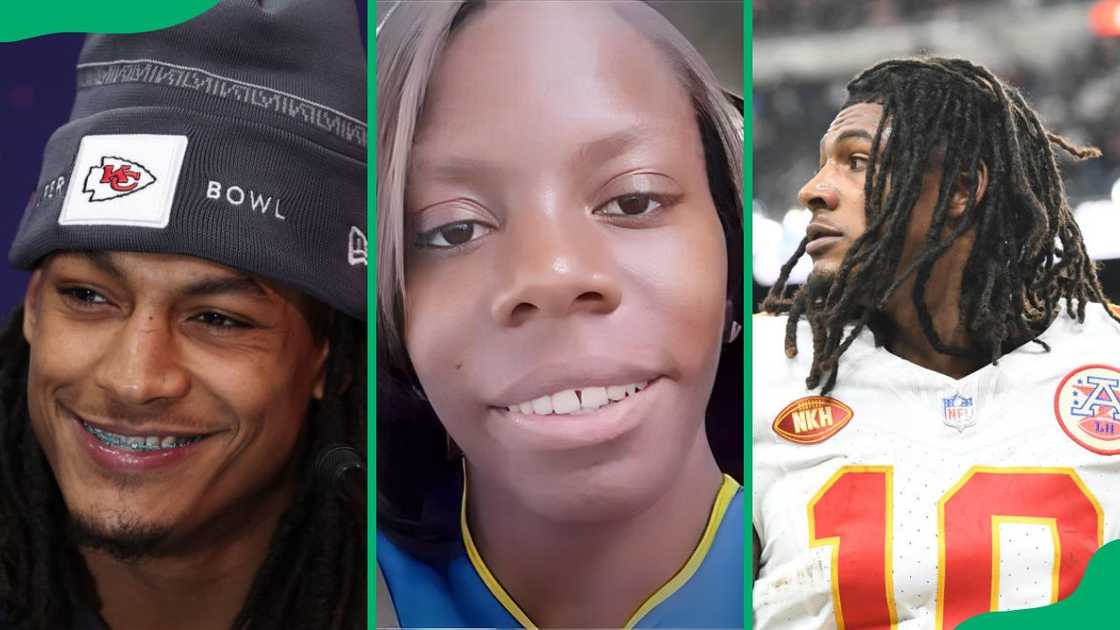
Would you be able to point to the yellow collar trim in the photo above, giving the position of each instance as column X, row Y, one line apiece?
column 726, row 493
column 491, row 582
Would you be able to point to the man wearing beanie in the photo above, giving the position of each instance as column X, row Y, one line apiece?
column 188, row 363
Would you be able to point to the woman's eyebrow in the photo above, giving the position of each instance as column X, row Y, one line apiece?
column 454, row 169
column 612, row 145
column 596, row 151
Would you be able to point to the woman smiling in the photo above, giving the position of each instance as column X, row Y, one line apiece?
column 559, row 211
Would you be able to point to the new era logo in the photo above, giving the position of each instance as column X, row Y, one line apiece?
column 358, row 253
column 116, row 177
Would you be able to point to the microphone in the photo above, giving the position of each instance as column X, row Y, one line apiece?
column 339, row 468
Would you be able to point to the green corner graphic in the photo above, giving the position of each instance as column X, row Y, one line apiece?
column 1088, row 607
column 748, row 272
column 23, row 20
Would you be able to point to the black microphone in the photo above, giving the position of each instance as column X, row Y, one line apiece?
column 340, row 470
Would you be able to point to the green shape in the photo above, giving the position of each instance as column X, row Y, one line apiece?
column 24, row 19
column 1090, row 606
column 748, row 339
column 371, row 327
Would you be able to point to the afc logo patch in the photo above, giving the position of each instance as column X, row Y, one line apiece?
column 116, row 177
column 1087, row 406
column 812, row 419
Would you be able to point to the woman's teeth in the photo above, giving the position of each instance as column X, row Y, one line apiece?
column 574, row 401
column 139, row 443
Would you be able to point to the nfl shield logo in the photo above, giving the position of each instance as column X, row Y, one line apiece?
column 958, row 412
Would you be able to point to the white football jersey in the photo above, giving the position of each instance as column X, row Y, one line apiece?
column 909, row 498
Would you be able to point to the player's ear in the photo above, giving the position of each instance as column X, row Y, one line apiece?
column 31, row 304
column 977, row 182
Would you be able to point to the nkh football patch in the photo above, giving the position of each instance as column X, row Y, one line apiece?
column 1087, row 405
column 812, row 419
column 124, row 179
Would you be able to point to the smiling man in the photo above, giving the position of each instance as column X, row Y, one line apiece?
column 192, row 341
column 936, row 410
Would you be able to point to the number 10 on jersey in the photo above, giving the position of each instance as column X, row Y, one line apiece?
column 852, row 514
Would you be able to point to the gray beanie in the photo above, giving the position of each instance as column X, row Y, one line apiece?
column 238, row 137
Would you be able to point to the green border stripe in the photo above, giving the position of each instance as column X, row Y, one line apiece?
column 748, row 295
column 371, row 320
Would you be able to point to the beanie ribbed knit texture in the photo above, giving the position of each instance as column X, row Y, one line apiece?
column 270, row 98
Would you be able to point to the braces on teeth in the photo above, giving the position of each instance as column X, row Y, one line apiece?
column 149, row 443
column 576, row 401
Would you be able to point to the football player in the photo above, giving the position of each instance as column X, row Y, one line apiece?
column 937, row 409
column 192, row 340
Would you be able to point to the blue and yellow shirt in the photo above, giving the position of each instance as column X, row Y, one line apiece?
column 707, row 592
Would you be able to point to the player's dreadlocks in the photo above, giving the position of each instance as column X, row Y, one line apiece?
column 958, row 115
column 314, row 575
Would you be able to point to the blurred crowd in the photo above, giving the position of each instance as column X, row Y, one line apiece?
column 1079, row 99
column 793, row 17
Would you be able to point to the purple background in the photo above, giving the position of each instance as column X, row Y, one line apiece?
column 36, row 93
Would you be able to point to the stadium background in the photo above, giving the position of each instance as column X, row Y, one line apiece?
column 1063, row 54
column 36, row 94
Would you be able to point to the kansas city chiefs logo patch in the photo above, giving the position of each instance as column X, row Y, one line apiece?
column 812, row 419
column 116, row 177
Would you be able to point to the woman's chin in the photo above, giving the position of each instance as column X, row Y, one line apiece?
column 606, row 492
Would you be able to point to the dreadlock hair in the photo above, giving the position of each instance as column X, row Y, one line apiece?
column 314, row 575
column 959, row 116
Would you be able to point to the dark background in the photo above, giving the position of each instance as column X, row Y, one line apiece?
column 36, row 93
